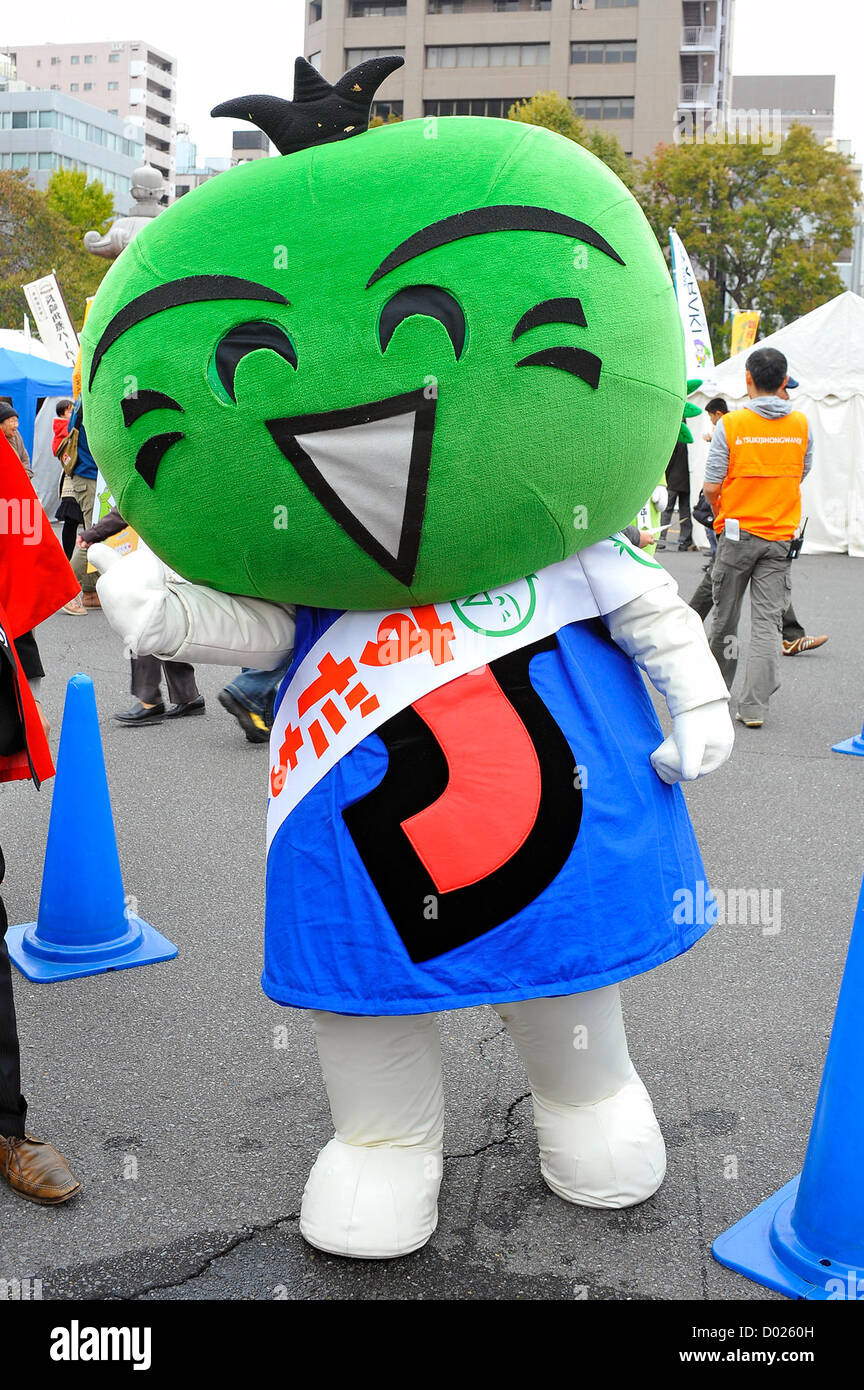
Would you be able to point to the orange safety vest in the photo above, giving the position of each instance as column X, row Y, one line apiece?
column 762, row 488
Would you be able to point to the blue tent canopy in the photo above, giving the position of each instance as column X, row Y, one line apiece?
column 25, row 380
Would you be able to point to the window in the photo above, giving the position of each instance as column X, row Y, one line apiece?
column 47, row 119
column 487, row 55
column 55, row 62
column 616, row 4
column 88, row 57
column 377, row 9
column 19, row 120
column 623, row 51
column 603, row 108
column 113, row 86
column 476, row 106
column 384, row 109
column 88, row 86
column 73, row 86
column 75, row 58
column 55, row 87
column 113, row 57
column 315, row 11
column 46, row 159
column 444, row 6
column 353, row 56
column 112, row 111
column 315, row 60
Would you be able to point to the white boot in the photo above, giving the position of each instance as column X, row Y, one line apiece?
column 373, row 1191
column 600, row 1144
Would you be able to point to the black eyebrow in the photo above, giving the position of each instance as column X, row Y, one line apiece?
column 504, row 217
column 568, row 310
column 191, row 289
column 133, row 407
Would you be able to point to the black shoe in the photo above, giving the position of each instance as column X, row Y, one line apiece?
column 140, row 714
column 195, row 706
column 687, row 547
column 252, row 724
column 661, row 545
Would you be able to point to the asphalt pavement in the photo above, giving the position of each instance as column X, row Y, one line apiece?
column 192, row 1107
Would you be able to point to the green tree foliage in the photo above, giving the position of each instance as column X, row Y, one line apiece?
column 84, row 205
column 553, row 111
column 36, row 238
column 764, row 226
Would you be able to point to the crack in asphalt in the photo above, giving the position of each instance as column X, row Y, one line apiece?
column 250, row 1233
column 243, row 1237
column 494, row 1143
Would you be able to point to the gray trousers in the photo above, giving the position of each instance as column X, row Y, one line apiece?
column 765, row 567
column 84, row 490
column 179, row 678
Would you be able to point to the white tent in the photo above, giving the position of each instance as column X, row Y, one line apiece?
column 825, row 352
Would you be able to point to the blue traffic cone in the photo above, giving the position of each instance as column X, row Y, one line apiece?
column 855, row 745
column 807, row 1241
column 84, row 926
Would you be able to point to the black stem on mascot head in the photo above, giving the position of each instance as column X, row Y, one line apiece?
column 318, row 113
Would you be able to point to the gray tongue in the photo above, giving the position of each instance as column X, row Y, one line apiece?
column 368, row 467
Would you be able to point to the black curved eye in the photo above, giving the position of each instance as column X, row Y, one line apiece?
column 150, row 455
column 246, row 338
column 429, row 301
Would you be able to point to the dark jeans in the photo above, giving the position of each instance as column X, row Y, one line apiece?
column 13, row 1106
column 179, row 678
column 682, row 501
column 256, row 690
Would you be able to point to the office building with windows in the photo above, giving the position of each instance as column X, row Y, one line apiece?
column 629, row 66
column 43, row 131
column 130, row 79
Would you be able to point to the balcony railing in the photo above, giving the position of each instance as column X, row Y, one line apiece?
column 699, row 36
column 697, row 94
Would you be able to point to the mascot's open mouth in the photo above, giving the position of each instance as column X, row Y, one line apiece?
column 368, row 466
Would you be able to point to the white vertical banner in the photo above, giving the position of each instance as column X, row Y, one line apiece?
column 697, row 339
column 48, row 308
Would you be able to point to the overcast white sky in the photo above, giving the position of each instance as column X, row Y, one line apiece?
column 228, row 50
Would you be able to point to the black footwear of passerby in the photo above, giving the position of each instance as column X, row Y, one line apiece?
column 252, row 724
column 195, row 706
column 141, row 714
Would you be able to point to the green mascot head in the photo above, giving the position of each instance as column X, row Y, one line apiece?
column 402, row 363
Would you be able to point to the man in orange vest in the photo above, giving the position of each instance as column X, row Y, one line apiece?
column 757, row 460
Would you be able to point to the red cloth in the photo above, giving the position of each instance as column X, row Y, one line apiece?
column 16, row 767
column 35, row 580
column 61, row 429
column 35, row 577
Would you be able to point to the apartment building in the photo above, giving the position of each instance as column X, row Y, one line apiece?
column 43, row 131
column 629, row 66
column 131, row 79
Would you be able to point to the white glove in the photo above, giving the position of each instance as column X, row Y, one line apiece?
column 158, row 613
column 133, row 590
column 701, row 740
column 660, row 497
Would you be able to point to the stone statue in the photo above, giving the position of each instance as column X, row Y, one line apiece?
column 148, row 187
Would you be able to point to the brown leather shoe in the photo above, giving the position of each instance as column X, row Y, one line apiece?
column 36, row 1170
column 91, row 600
